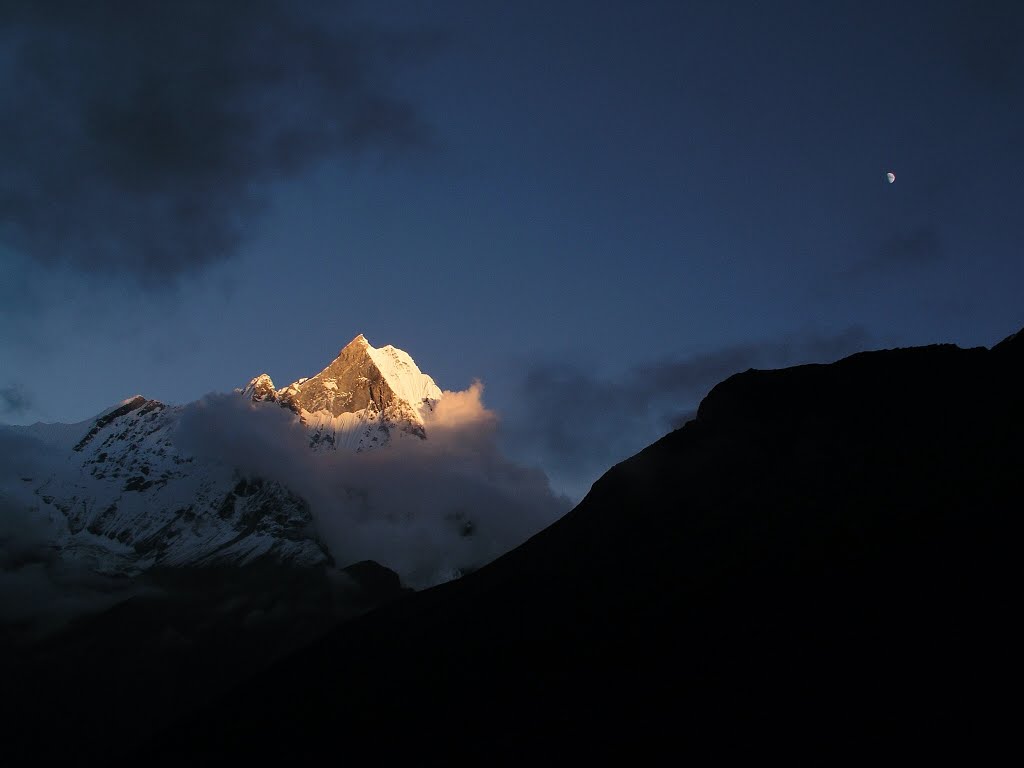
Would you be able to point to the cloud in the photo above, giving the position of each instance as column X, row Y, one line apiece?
column 578, row 424
column 428, row 509
column 14, row 400
column 142, row 135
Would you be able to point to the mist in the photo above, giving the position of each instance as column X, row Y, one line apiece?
column 431, row 510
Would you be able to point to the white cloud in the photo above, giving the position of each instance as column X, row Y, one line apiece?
column 428, row 509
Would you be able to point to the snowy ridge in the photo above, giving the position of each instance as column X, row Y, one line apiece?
column 132, row 499
column 53, row 434
column 404, row 377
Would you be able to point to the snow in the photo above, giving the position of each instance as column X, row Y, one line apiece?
column 415, row 392
column 403, row 376
column 55, row 435
column 132, row 499
column 347, row 431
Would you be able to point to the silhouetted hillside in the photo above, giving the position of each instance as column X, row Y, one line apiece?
column 825, row 561
column 110, row 680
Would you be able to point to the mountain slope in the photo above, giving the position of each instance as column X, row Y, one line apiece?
column 825, row 561
column 133, row 498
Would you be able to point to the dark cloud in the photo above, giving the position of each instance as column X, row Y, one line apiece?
column 901, row 251
column 577, row 424
column 14, row 401
column 138, row 135
column 426, row 509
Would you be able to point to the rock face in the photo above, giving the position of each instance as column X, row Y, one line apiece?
column 365, row 398
column 825, row 561
column 351, row 383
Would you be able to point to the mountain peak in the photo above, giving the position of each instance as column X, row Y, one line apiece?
column 361, row 377
column 260, row 388
column 358, row 398
column 359, row 342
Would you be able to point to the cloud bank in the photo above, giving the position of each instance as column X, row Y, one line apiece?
column 429, row 509
column 145, row 132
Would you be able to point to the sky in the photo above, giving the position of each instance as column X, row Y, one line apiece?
column 597, row 209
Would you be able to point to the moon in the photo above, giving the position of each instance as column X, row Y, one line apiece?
column 891, row 177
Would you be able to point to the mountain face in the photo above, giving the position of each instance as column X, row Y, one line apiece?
column 363, row 399
column 133, row 499
column 824, row 562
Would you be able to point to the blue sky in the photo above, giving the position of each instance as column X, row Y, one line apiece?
column 556, row 198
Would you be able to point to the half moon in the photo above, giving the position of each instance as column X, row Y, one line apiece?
column 891, row 177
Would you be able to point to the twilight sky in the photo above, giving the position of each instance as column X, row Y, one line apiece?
column 598, row 208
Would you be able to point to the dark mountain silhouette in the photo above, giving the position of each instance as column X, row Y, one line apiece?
column 825, row 561
column 111, row 679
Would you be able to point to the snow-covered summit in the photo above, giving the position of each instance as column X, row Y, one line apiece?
column 362, row 399
column 260, row 388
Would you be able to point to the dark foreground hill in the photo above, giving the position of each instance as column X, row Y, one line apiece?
column 826, row 560
column 105, row 683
